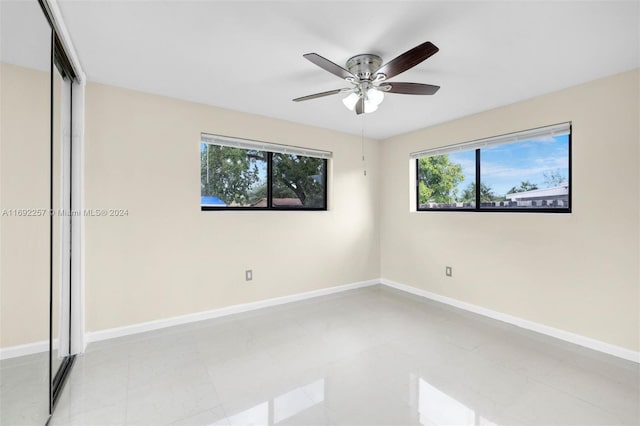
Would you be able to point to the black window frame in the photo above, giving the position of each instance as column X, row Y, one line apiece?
column 270, row 206
column 478, row 205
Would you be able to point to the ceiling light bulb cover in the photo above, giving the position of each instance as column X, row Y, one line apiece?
column 369, row 107
column 351, row 101
column 375, row 96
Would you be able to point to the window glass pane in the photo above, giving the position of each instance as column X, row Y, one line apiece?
column 528, row 174
column 298, row 181
column 447, row 181
column 232, row 177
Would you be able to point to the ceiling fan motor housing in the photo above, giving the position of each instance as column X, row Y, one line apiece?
column 364, row 66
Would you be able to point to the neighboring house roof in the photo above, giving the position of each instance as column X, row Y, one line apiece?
column 556, row 191
column 211, row 201
column 293, row 202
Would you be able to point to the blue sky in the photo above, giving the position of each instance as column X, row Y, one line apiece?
column 505, row 166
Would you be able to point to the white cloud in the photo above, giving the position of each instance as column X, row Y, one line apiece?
column 543, row 165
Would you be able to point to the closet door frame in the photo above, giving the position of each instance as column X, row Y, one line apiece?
column 71, row 246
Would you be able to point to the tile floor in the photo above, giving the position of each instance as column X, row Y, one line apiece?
column 24, row 390
column 373, row 356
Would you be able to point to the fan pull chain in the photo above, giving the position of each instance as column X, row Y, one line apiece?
column 364, row 163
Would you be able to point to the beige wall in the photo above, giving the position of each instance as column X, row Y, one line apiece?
column 168, row 258
column 24, row 184
column 578, row 272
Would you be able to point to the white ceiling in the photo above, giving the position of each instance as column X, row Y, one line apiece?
column 247, row 56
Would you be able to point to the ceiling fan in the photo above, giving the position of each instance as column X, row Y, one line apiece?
column 369, row 78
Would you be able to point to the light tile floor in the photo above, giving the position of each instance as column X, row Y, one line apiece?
column 373, row 356
column 24, row 390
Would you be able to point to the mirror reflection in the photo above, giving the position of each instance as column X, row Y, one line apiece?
column 25, row 60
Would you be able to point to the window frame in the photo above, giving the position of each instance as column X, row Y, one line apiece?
column 270, row 206
column 478, row 182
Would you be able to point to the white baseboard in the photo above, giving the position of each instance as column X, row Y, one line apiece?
column 22, row 350
column 220, row 312
column 567, row 336
column 617, row 351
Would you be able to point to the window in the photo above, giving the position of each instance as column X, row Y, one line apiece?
column 525, row 171
column 243, row 174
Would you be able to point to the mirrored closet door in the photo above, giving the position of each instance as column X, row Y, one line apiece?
column 25, row 136
column 36, row 217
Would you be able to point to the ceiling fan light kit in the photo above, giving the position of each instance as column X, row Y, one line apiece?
column 368, row 77
column 351, row 101
column 372, row 98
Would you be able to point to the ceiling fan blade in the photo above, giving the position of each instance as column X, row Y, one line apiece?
column 327, row 65
column 412, row 88
column 408, row 59
column 320, row 95
column 360, row 106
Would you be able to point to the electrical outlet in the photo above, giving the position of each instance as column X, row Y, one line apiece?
column 448, row 270
column 248, row 275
